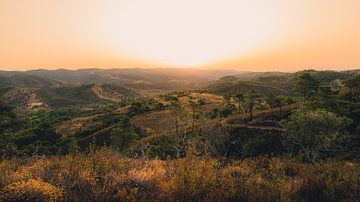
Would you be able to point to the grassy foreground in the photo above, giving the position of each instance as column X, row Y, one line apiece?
column 105, row 175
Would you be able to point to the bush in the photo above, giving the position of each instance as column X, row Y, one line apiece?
column 314, row 131
column 164, row 147
column 31, row 190
column 196, row 179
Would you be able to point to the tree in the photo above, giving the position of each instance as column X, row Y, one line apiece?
column 7, row 116
column 68, row 145
column 176, row 108
column 227, row 110
column 137, row 107
column 123, row 135
column 250, row 99
column 239, row 97
column 271, row 101
column 313, row 131
column 227, row 98
column 9, row 124
column 121, row 138
column 353, row 83
column 163, row 147
column 280, row 101
column 306, row 85
column 214, row 113
column 326, row 98
column 193, row 106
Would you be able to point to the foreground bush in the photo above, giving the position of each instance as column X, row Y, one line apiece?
column 31, row 190
column 105, row 175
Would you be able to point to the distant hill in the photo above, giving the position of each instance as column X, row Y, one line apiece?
column 62, row 87
column 150, row 79
column 27, row 98
column 24, row 80
column 254, row 75
column 277, row 83
column 244, row 86
column 158, row 78
column 84, row 94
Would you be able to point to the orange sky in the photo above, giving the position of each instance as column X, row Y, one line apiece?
column 257, row 35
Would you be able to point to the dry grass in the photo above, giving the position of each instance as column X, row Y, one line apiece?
column 157, row 121
column 160, row 121
column 105, row 175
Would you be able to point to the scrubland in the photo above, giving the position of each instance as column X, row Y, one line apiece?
column 105, row 175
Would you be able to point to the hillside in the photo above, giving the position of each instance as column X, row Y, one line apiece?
column 28, row 98
column 276, row 83
column 24, row 80
column 156, row 78
column 92, row 111
column 232, row 87
column 84, row 94
column 23, row 98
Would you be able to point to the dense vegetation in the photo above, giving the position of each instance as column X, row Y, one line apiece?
column 105, row 175
column 236, row 139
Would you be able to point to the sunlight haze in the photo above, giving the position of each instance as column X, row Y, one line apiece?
column 257, row 35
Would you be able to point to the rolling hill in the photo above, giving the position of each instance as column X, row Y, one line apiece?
column 156, row 78
column 276, row 83
column 24, row 80
column 84, row 94
column 29, row 98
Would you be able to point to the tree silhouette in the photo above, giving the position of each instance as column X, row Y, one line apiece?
column 193, row 105
column 353, row 83
column 326, row 98
column 176, row 108
column 239, row 97
column 306, row 85
column 250, row 99
column 227, row 98
column 271, row 101
column 280, row 101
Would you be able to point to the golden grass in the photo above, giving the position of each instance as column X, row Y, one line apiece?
column 105, row 175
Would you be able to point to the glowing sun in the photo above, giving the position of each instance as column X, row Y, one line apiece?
column 189, row 33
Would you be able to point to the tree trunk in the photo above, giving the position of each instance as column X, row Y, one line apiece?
column 351, row 100
column 251, row 114
column 193, row 119
column 305, row 92
column 176, row 124
column 307, row 154
column 280, row 108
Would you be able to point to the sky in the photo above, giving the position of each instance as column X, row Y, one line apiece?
column 252, row 35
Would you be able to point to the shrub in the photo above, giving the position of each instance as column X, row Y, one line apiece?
column 164, row 147
column 314, row 131
column 196, row 179
column 31, row 190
